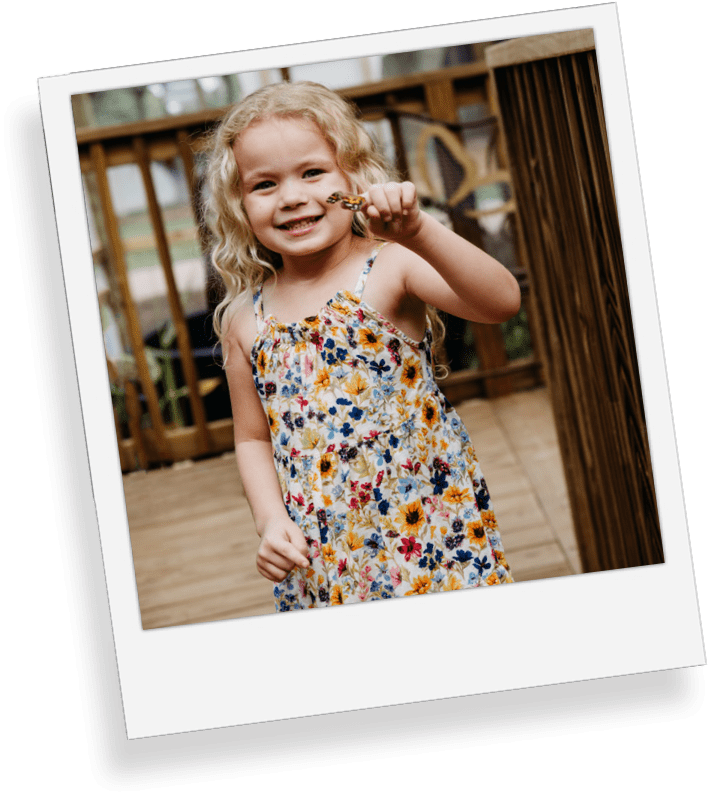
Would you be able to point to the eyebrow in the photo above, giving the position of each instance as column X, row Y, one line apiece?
column 307, row 162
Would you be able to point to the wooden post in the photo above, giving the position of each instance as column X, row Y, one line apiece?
column 552, row 113
column 184, row 344
column 489, row 342
column 98, row 157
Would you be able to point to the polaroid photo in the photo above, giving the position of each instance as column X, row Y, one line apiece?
column 194, row 677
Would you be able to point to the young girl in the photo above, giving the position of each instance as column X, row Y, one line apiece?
column 376, row 491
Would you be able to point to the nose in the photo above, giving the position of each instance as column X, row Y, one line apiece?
column 292, row 193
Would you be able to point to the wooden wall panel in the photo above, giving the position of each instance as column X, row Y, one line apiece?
column 552, row 114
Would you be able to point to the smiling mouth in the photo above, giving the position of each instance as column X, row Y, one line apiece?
column 300, row 223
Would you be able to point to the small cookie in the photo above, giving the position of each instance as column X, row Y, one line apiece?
column 349, row 202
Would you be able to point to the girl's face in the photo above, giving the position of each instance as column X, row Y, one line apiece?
column 287, row 171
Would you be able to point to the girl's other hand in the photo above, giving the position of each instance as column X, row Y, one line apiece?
column 393, row 211
column 282, row 547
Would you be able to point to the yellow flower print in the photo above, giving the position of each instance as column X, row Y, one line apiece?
column 336, row 595
column 326, row 466
column 272, row 420
column 489, row 519
column 328, row 553
column 476, row 534
column 309, row 573
column 412, row 516
column 430, row 412
column 261, row 361
column 312, row 321
column 501, row 559
column 311, row 438
column 369, row 340
column 421, row 585
column 493, row 578
column 354, row 541
column 322, row 379
column 340, row 308
column 410, row 372
column 456, row 495
column 356, row 385
column 382, row 556
column 453, row 583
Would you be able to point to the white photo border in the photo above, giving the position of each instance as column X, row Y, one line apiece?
column 257, row 669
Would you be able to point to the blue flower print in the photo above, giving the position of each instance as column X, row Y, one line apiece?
column 482, row 565
column 439, row 482
column 407, row 484
column 379, row 367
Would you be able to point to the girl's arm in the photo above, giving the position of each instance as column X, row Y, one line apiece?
column 438, row 266
column 282, row 542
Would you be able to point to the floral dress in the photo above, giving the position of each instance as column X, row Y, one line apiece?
column 375, row 465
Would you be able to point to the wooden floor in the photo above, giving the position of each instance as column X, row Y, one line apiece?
column 194, row 542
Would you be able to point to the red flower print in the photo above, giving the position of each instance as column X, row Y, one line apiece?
column 410, row 548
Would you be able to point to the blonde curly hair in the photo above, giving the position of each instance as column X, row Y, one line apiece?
column 241, row 261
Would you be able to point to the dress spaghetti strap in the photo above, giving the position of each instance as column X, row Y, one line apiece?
column 258, row 308
column 359, row 289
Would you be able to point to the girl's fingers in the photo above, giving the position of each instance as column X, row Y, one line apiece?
column 392, row 191
column 408, row 197
column 272, row 572
column 297, row 538
column 378, row 204
column 275, row 561
column 391, row 201
column 288, row 555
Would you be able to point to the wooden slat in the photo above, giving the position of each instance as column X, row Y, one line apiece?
column 88, row 135
column 533, row 48
column 416, row 79
column 116, row 250
column 441, row 99
column 184, row 343
column 183, row 143
column 185, row 442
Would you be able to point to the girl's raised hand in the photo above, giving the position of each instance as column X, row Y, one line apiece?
column 393, row 211
column 282, row 547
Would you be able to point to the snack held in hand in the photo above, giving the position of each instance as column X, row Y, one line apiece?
column 349, row 202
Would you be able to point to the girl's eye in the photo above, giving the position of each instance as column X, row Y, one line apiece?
column 311, row 172
column 263, row 185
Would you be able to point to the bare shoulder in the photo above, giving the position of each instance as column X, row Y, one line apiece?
column 395, row 264
column 387, row 290
column 239, row 327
